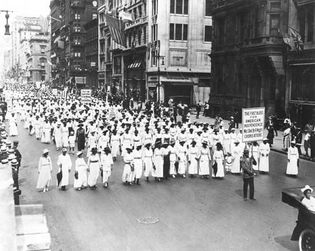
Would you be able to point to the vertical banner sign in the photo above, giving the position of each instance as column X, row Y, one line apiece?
column 253, row 120
column 86, row 95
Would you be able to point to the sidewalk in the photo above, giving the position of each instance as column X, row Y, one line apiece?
column 277, row 141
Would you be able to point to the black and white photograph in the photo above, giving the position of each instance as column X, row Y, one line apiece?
column 157, row 125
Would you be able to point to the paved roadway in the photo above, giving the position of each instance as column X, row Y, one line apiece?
column 194, row 214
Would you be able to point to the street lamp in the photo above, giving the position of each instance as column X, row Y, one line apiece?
column 158, row 56
column 6, row 26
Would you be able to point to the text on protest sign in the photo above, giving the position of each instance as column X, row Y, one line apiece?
column 253, row 120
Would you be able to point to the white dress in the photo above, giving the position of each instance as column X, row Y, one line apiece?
column 13, row 131
column 193, row 155
column 66, row 164
column 293, row 156
column 106, row 164
column 44, row 169
column 147, row 161
column 138, row 163
column 182, row 159
column 80, row 167
column 236, row 153
column 158, row 163
column 173, row 158
column 264, row 151
column 94, row 166
column 218, row 157
column 115, row 145
column 204, row 163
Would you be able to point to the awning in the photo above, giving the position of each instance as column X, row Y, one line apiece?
column 137, row 63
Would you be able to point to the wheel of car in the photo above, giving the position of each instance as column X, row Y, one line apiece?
column 307, row 240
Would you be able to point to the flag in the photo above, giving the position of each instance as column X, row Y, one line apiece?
column 116, row 29
column 125, row 16
column 294, row 40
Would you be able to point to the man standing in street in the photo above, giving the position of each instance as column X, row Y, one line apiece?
column 198, row 109
column 248, row 174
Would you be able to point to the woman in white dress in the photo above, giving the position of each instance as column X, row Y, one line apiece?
column 218, row 161
column 182, row 158
column 193, row 157
column 106, row 165
column 44, row 172
column 264, row 150
column 204, row 162
column 46, row 131
column 158, row 162
column 13, row 125
column 64, row 163
column 237, row 152
column 138, row 163
column 115, row 144
column 293, row 160
column 80, row 181
column 94, row 168
column 255, row 154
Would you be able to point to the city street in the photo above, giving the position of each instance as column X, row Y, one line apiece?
column 194, row 214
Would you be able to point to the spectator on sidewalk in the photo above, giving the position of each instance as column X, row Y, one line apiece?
column 307, row 145
column 206, row 110
column 298, row 140
column 286, row 138
column 271, row 131
column 237, row 118
column 312, row 144
column 198, row 109
column 231, row 123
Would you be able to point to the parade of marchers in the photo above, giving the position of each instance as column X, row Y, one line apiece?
column 151, row 144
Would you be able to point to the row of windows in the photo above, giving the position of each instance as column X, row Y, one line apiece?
column 180, row 32
column 181, row 7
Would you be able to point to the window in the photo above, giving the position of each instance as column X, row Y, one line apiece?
column 144, row 34
column 178, row 32
column 154, row 32
column 77, row 54
column 275, row 6
column 208, row 8
column 172, row 32
column 274, row 24
column 94, row 16
column 43, row 49
column 310, row 24
column 77, row 16
column 208, row 33
column 117, row 65
column 77, row 40
column 154, row 7
column 179, row 6
column 77, row 28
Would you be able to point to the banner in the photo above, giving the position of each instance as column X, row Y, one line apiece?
column 253, row 120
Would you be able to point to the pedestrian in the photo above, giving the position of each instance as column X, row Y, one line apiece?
column 198, row 109
column 17, row 153
column 128, row 167
column 158, row 161
column 236, row 154
column 182, row 158
column 307, row 144
column 106, row 165
column 228, row 162
column 204, row 162
column 264, row 151
column 44, row 172
column 173, row 158
column 286, row 138
column 115, row 144
column 308, row 201
column 248, row 175
column 293, row 160
column 94, row 168
column 57, row 136
column 298, row 140
column 65, row 164
column 255, row 154
column 81, row 171
column 272, row 132
column 13, row 130
column 312, row 144
column 138, row 163
column 166, row 161
column 46, row 132
column 231, row 123
column 148, row 161
column 71, row 142
column 218, row 161
column 80, row 137
column 193, row 159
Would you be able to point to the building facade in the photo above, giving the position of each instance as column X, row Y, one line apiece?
column 68, row 18
column 247, row 55
column 91, row 53
column 165, row 53
column 300, row 84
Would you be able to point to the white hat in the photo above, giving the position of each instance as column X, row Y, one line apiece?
column 307, row 187
column 45, row 151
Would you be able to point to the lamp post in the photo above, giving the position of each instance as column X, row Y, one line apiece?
column 159, row 57
column 6, row 26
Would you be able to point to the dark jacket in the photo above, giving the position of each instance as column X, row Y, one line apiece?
column 247, row 167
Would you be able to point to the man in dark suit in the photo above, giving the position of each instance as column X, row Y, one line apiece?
column 248, row 174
